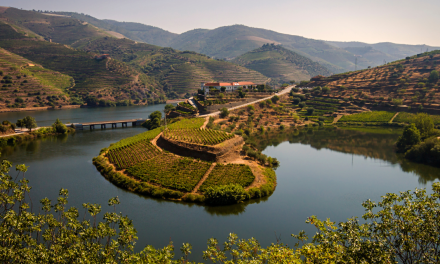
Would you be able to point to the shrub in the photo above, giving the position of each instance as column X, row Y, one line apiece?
column 302, row 104
column 275, row 99
column 224, row 112
column 310, row 110
column 59, row 127
column 409, row 138
column 226, row 194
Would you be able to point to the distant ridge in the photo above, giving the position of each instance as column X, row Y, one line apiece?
column 280, row 64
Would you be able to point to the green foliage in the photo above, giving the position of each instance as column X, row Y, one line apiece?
column 225, row 194
column 224, row 112
column 187, row 123
column 29, row 122
column 61, row 236
column 148, row 135
column 433, row 76
column 424, row 124
column 169, row 107
column 275, row 99
column 404, row 117
column 59, row 127
column 170, row 171
column 409, row 138
column 225, row 174
column 374, row 116
column 131, row 154
column 198, row 135
column 425, row 152
column 154, row 121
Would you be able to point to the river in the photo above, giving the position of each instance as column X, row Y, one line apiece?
column 326, row 172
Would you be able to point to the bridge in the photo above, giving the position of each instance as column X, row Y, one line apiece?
column 103, row 124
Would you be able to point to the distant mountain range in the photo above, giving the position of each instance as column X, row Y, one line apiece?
column 232, row 41
column 146, row 64
column 139, row 72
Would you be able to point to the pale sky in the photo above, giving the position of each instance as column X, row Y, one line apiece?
column 371, row 21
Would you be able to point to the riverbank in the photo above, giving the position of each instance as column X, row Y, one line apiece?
column 166, row 165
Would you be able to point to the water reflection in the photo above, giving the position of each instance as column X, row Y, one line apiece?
column 375, row 143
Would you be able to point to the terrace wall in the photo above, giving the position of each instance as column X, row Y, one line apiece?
column 208, row 153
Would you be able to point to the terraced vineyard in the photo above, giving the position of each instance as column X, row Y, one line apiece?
column 198, row 136
column 134, row 153
column 229, row 174
column 187, row 123
column 404, row 117
column 375, row 116
column 171, row 171
column 149, row 135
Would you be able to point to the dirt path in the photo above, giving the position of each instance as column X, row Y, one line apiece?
column 206, row 122
column 154, row 141
column 204, row 178
column 391, row 121
column 286, row 90
column 337, row 119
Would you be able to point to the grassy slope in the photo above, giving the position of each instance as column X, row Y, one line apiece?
column 280, row 64
column 59, row 29
column 179, row 72
column 401, row 79
column 33, row 84
column 108, row 79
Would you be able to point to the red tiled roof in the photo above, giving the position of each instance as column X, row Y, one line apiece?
column 229, row 84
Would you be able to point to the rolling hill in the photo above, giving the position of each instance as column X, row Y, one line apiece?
column 280, row 64
column 232, row 41
column 137, row 71
column 178, row 72
column 411, row 82
column 27, row 84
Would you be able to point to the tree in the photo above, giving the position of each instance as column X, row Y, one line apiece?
column 154, row 121
column 169, row 107
column 325, row 90
column 302, row 104
column 59, row 127
column 29, row 122
column 424, row 124
column 433, row 76
column 241, row 94
column 409, row 138
column 310, row 110
column 224, row 112
column 275, row 99
column 20, row 123
column 292, row 81
column 223, row 89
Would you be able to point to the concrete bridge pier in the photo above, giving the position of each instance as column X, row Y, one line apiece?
column 133, row 123
column 103, row 126
column 92, row 127
column 114, row 125
column 124, row 124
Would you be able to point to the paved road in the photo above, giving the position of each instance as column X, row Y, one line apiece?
column 286, row 90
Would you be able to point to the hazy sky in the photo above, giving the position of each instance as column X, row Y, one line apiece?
column 371, row 21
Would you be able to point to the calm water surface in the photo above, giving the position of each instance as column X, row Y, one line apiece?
column 327, row 173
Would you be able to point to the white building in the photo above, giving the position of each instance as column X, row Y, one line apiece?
column 230, row 87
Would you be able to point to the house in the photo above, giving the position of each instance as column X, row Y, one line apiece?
column 230, row 87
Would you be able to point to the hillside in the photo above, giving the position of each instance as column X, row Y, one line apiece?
column 410, row 82
column 135, row 31
column 27, row 84
column 280, row 64
column 232, row 41
column 178, row 72
column 106, row 79
column 51, row 27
